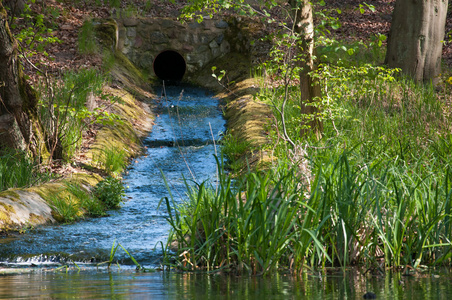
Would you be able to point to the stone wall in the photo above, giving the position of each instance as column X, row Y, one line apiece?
column 141, row 40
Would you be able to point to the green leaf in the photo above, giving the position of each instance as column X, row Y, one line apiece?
column 335, row 26
column 370, row 7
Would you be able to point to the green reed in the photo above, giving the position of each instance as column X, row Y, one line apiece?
column 374, row 214
column 114, row 249
column 18, row 170
column 379, row 193
column 255, row 224
column 113, row 160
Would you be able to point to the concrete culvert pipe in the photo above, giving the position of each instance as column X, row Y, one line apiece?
column 169, row 65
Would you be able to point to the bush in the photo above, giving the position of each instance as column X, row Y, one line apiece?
column 110, row 191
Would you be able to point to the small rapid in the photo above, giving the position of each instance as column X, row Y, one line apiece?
column 181, row 145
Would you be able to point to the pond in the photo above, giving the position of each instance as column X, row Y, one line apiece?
column 181, row 146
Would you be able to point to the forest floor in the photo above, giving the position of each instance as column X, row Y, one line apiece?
column 62, row 56
column 65, row 18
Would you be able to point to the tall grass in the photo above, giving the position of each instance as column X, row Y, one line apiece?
column 249, row 225
column 370, row 215
column 17, row 170
column 379, row 189
column 113, row 160
column 62, row 110
column 74, row 202
column 91, row 205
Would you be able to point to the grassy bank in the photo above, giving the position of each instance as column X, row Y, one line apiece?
column 375, row 191
column 92, row 121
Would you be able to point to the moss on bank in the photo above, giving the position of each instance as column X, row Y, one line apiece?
column 33, row 206
column 247, row 118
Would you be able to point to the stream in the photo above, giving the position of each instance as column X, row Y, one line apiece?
column 181, row 146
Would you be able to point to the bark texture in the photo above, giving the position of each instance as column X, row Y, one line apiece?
column 17, row 100
column 16, row 7
column 416, row 38
column 310, row 88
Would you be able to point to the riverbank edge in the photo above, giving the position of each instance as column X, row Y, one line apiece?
column 25, row 208
column 247, row 119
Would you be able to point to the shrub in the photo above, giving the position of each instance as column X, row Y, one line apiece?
column 110, row 191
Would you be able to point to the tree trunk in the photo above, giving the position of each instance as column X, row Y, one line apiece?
column 16, row 7
column 416, row 38
column 310, row 88
column 17, row 100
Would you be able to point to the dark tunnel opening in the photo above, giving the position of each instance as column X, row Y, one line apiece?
column 169, row 65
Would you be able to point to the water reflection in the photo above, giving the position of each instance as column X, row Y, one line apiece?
column 171, row 285
column 139, row 225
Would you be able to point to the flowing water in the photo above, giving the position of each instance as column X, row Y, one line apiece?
column 181, row 146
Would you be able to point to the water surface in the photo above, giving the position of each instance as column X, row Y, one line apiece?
column 172, row 285
column 181, row 145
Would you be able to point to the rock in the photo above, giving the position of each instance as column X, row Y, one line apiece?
column 221, row 24
column 168, row 23
column 213, row 44
column 128, row 22
column 219, row 39
column 131, row 32
column 370, row 295
column 158, row 38
column 195, row 25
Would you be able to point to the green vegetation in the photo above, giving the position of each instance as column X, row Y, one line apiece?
column 110, row 191
column 113, row 160
column 17, row 170
column 63, row 111
column 74, row 201
column 90, row 204
column 233, row 148
column 374, row 191
column 87, row 38
column 36, row 30
column 64, row 209
column 254, row 225
column 113, row 250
